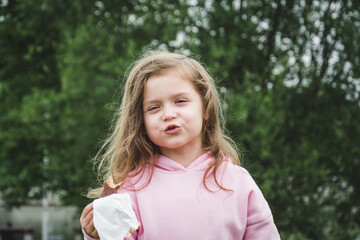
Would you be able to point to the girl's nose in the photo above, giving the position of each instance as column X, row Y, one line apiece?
column 169, row 113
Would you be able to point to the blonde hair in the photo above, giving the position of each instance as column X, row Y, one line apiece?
column 128, row 150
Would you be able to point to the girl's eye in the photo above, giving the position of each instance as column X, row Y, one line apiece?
column 152, row 108
column 181, row 100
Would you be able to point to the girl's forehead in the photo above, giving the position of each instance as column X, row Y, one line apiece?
column 181, row 71
column 169, row 77
column 169, row 83
column 170, row 74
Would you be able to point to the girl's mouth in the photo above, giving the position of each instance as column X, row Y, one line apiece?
column 172, row 129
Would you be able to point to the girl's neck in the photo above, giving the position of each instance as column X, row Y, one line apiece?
column 184, row 157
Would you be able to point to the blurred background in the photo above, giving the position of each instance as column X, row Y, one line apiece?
column 288, row 72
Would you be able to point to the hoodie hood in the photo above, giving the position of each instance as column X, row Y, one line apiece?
column 170, row 165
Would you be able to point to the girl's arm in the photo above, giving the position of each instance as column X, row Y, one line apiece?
column 87, row 224
column 260, row 224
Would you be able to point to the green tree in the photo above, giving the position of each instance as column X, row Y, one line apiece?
column 28, row 71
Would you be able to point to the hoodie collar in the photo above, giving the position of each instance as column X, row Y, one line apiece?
column 199, row 164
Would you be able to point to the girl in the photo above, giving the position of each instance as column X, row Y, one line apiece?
column 168, row 151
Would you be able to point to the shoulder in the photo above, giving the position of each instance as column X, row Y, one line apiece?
column 137, row 179
column 236, row 171
column 244, row 185
column 237, row 177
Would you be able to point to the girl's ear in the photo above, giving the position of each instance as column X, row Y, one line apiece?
column 206, row 115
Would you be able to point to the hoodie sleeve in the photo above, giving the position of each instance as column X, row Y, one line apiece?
column 260, row 223
column 87, row 237
column 130, row 237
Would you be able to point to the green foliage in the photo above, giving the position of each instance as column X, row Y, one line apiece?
column 288, row 72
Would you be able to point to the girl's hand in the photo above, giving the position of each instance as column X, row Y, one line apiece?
column 86, row 221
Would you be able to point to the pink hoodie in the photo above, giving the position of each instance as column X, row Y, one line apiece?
column 176, row 205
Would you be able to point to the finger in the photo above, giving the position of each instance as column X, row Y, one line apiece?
column 91, row 230
column 94, row 232
column 87, row 209
column 87, row 219
column 85, row 213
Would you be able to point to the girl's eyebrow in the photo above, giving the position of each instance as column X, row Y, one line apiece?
column 180, row 94
column 176, row 95
column 149, row 100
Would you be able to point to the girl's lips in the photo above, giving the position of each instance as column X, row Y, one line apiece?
column 172, row 129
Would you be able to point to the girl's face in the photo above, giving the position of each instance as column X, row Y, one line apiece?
column 173, row 113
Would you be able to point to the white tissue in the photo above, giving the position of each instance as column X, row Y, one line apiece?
column 114, row 217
